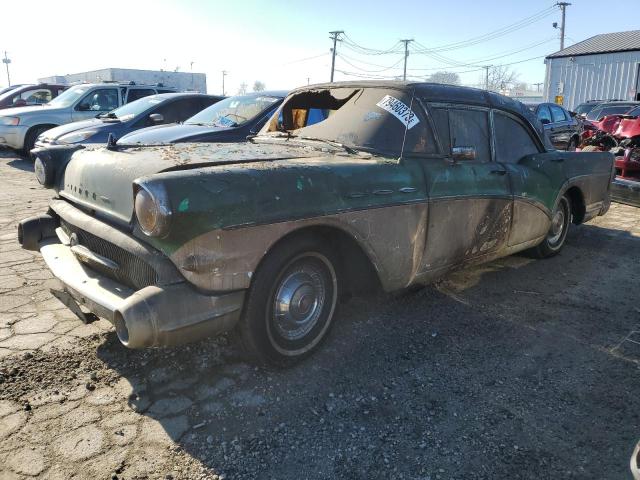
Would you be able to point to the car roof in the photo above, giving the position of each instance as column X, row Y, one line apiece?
column 166, row 96
column 619, row 102
column 440, row 93
column 269, row 93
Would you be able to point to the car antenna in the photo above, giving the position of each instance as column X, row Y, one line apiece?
column 406, row 125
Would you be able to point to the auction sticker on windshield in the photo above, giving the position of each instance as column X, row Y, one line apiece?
column 399, row 110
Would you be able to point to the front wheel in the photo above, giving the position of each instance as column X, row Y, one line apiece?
column 554, row 241
column 291, row 302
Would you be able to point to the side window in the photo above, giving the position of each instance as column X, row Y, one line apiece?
column 441, row 121
column 544, row 114
column 138, row 93
column 513, row 141
column 470, row 128
column 180, row 110
column 36, row 97
column 557, row 113
column 100, row 100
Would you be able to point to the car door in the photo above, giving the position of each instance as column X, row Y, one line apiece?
column 544, row 115
column 561, row 126
column 469, row 194
column 536, row 177
column 95, row 102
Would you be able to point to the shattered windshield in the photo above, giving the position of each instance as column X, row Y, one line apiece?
column 608, row 109
column 233, row 111
column 370, row 119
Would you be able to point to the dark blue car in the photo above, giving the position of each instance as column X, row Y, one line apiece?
column 230, row 120
column 165, row 108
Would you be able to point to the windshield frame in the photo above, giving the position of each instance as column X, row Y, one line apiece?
column 60, row 100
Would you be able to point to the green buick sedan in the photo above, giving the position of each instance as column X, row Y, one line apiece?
column 348, row 187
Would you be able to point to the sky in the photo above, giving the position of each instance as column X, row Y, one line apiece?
column 285, row 44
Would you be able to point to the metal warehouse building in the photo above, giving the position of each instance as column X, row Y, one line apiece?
column 598, row 68
column 182, row 81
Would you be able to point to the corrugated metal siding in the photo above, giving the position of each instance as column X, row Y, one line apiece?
column 592, row 77
column 605, row 42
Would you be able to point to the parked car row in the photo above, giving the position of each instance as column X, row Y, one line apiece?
column 614, row 126
column 345, row 187
column 21, row 126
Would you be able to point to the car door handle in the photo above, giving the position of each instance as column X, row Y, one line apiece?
column 558, row 159
column 498, row 172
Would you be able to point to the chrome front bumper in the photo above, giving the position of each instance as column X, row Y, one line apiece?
column 169, row 312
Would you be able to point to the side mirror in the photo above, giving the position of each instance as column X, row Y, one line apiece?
column 545, row 121
column 19, row 103
column 83, row 107
column 156, row 118
column 463, row 153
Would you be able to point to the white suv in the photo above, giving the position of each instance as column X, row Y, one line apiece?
column 19, row 127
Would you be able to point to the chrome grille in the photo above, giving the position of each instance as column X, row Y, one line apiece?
column 132, row 271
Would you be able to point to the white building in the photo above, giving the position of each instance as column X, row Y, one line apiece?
column 599, row 68
column 182, row 81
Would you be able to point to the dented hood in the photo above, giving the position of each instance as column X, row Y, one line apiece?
column 102, row 180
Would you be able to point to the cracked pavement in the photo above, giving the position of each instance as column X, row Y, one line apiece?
column 515, row 369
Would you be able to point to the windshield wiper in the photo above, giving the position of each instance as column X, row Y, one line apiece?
column 330, row 142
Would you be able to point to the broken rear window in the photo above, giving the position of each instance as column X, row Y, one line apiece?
column 373, row 119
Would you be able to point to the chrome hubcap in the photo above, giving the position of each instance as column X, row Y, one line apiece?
column 299, row 300
column 557, row 225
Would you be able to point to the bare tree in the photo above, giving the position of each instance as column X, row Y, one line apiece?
column 500, row 78
column 243, row 88
column 451, row 78
column 521, row 86
column 258, row 86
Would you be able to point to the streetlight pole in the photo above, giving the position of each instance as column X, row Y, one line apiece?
column 563, row 6
column 224, row 74
column 335, row 36
column 6, row 60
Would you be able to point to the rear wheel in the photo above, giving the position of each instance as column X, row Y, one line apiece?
column 554, row 241
column 291, row 303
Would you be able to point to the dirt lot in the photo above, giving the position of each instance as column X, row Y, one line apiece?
column 517, row 369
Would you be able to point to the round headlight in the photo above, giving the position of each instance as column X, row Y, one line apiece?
column 44, row 172
column 152, row 212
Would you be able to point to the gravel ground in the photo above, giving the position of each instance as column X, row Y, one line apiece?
column 518, row 369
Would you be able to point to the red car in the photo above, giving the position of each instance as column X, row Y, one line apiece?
column 28, row 95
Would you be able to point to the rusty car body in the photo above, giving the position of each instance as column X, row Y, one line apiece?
column 392, row 184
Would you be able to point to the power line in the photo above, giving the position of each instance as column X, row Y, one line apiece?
column 383, row 69
column 496, row 33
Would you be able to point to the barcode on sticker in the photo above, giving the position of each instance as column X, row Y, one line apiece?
column 399, row 110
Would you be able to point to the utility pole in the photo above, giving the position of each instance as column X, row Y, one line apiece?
column 406, row 55
column 6, row 60
column 335, row 36
column 563, row 6
column 486, row 76
column 538, row 85
column 224, row 74
column 192, row 86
